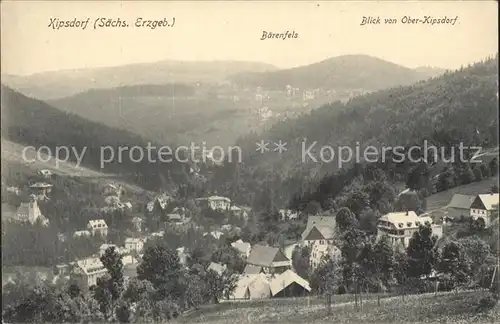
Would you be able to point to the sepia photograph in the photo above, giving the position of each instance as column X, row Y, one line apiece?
column 221, row 162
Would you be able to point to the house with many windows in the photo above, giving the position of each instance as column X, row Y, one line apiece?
column 319, row 228
column 484, row 208
column 400, row 226
column 98, row 226
column 85, row 272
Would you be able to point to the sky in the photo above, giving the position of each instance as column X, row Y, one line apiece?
column 232, row 30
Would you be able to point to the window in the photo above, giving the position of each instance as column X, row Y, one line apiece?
column 400, row 225
column 409, row 224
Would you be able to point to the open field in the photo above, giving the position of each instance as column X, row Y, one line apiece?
column 441, row 199
column 451, row 307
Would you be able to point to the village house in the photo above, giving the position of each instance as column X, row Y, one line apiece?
column 82, row 233
column 41, row 189
column 217, row 268
column 134, row 244
column 318, row 251
column 85, row 272
column 30, row 212
column 216, row 202
column 400, row 226
column 243, row 248
column 319, row 228
column 459, row 206
column 182, row 254
column 45, row 173
column 287, row 214
column 289, row 284
column 98, row 226
column 175, row 218
column 484, row 207
column 266, row 259
column 163, row 200
column 264, row 286
column 137, row 222
column 215, row 234
column 238, row 212
column 255, row 286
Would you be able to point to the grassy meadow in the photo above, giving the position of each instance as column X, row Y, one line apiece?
column 461, row 307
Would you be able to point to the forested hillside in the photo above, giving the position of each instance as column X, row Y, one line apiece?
column 58, row 84
column 342, row 72
column 32, row 122
column 459, row 106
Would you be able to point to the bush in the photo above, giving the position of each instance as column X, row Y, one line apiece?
column 487, row 303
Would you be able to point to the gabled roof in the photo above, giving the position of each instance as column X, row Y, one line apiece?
column 41, row 185
column 219, row 198
column 490, row 201
column 252, row 286
column 259, row 288
column 217, row 267
column 97, row 223
column 326, row 225
column 461, row 201
column 90, row 265
column 265, row 255
column 133, row 240
column 251, row 269
column 81, row 233
column 405, row 219
column 242, row 247
column 107, row 246
column 286, row 279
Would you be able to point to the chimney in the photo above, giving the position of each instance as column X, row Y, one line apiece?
column 406, row 212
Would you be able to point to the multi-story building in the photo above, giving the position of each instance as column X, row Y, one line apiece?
column 484, row 207
column 400, row 226
column 85, row 272
column 216, row 202
column 319, row 228
column 318, row 251
column 98, row 226
column 134, row 244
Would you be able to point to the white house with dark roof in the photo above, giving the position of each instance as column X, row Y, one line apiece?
column 400, row 226
column 85, row 272
column 484, row 206
column 243, row 248
column 459, row 206
column 267, row 259
column 134, row 244
column 98, row 226
column 318, row 251
column 30, row 212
